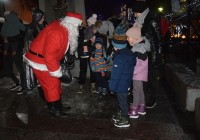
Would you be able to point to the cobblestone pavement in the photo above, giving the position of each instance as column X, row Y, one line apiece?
column 90, row 117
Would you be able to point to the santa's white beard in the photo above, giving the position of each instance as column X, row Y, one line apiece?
column 73, row 35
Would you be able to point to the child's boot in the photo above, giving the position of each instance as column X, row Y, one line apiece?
column 93, row 88
column 104, row 92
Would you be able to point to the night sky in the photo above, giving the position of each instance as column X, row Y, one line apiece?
column 108, row 8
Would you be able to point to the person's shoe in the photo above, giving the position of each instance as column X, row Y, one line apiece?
column 133, row 112
column 99, row 90
column 141, row 109
column 20, row 91
column 104, row 92
column 93, row 88
column 85, row 55
column 80, row 90
column 151, row 104
column 66, row 108
column 14, row 87
column 116, row 117
column 57, row 113
column 55, row 110
column 123, row 122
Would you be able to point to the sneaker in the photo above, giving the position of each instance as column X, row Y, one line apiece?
column 151, row 104
column 80, row 90
column 133, row 112
column 14, row 87
column 100, row 90
column 116, row 117
column 141, row 109
column 123, row 122
column 104, row 92
column 93, row 90
column 85, row 55
column 20, row 91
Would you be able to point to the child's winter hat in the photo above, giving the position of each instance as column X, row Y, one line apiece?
column 99, row 40
column 92, row 20
column 119, row 33
column 135, row 31
column 119, row 38
column 119, row 44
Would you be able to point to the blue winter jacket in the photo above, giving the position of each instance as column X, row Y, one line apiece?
column 124, row 61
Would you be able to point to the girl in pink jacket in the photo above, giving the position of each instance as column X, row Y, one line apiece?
column 141, row 47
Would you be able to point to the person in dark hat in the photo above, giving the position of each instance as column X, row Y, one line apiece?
column 150, row 23
column 124, row 61
column 33, row 29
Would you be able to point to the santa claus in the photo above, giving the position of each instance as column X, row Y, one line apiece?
column 45, row 54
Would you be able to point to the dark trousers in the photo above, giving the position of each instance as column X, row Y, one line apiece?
column 122, row 100
column 84, row 63
column 8, row 68
column 100, row 80
column 20, row 64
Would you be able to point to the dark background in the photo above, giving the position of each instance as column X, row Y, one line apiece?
column 108, row 8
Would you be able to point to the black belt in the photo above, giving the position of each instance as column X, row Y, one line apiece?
column 37, row 54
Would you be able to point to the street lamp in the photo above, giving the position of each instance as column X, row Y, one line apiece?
column 160, row 9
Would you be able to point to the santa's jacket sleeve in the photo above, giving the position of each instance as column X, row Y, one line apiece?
column 51, row 50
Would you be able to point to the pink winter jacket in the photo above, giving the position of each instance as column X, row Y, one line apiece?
column 141, row 70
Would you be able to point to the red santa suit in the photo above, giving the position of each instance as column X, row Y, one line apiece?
column 45, row 53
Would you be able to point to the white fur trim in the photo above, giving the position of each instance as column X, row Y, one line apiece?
column 42, row 67
column 35, row 65
column 57, row 73
column 73, row 20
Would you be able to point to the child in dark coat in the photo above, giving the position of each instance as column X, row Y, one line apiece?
column 124, row 62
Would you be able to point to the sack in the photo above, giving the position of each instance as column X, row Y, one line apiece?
column 66, row 74
column 31, row 81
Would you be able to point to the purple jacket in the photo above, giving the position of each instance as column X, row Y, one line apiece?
column 141, row 70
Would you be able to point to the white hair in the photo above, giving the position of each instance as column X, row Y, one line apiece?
column 73, row 34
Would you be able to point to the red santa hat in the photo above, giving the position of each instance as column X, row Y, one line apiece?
column 74, row 18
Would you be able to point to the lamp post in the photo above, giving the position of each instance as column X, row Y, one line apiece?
column 160, row 9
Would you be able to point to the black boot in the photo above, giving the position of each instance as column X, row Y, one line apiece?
column 41, row 93
column 54, row 111
column 61, row 107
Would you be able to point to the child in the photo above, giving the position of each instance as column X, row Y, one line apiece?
column 140, row 46
column 124, row 61
column 99, row 66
